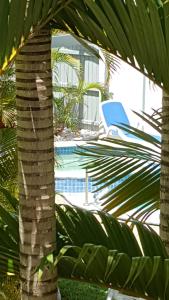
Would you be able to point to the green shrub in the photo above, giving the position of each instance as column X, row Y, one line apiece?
column 74, row 290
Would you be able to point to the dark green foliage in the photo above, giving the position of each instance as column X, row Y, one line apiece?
column 97, row 248
column 139, row 276
column 8, row 156
column 74, row 290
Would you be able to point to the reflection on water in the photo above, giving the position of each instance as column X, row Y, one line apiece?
column 70, row 162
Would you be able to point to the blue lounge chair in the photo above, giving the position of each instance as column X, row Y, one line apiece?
column 113, row 114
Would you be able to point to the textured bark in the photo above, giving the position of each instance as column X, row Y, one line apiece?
column 164, row 180
column 36, row 165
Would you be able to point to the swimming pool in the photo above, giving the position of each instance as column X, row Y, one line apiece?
column 69, row 162
column 70, row 177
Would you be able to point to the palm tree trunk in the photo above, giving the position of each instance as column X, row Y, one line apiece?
column 36, row 165
column 164, row 180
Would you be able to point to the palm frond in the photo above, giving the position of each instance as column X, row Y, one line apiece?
column 128, row 171
column 7, row 98
column 116, row 259
column 9, row 236
column 59, row 57
column 14, row 31
column 138, row 276
column 112, row 63
column 75, row 227
column 115, row 27
column 78, row 226
column 8, row 155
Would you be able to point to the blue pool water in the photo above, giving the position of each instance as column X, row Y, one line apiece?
column 69, row 162
column 69, row 174
column 73, row 185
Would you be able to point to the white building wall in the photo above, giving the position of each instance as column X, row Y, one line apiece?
column 127, row 87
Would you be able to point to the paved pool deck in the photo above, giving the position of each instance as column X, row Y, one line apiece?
column 69, row 143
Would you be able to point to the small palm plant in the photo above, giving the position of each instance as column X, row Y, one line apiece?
column 68, row 97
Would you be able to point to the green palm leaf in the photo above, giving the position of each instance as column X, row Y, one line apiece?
column 120, row 264
column 137, row 276
column 7, row 99
column 14, row 31
column 135, row 31
column 59, row 57
column 78, row 226
column 8, row 155
column 9, row 236
column 115, row 26
column 130, row 171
